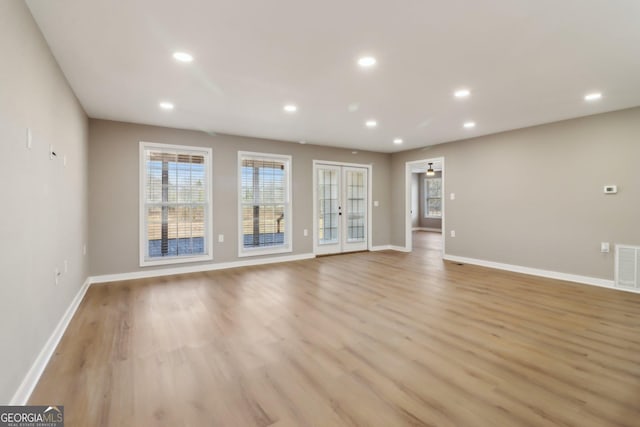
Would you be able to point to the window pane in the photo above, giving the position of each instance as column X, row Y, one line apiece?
column 263, row 225
column 176, row 197
column 356, row 210
column 434, row 187
column 434, row 207
column 264, row 201
column 328, row 206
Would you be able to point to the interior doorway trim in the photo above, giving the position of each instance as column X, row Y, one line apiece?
column 408, row 244
column 314, row 228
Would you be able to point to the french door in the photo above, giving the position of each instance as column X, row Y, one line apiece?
column 341, row 208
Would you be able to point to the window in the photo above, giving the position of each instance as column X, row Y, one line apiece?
column 433, row 198
column 264, row 204
column 175, row 204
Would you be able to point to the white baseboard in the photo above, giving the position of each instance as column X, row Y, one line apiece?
column 30, row 381
column 399, row 248
column 380, row 248
column 196, row 268
column 437, row 230
column 586, row 280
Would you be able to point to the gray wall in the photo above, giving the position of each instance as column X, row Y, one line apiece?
column 434, row 223
column 44, row 212
column 534, row 197
column 113, row 179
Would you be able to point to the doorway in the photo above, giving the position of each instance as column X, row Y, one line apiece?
column 341, row 211
column 425, row 199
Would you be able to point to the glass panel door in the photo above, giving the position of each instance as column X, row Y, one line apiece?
column 341, row 209
column 328, row 208
column 355, row 208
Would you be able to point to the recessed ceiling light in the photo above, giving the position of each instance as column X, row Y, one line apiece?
column 593, row 96
column 354, row 152
column 371, row 123
column 303, row 142
column 167, row 106
column 470, row 125
column 462, row 93
column 397, row 141
column 290, row 108
column 182, row 57
column 367, row 61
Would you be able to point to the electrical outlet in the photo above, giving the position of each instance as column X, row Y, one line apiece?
column 604, row 247
column 453, row 233
column 305, row 232
column 220, row 238
column 453, row 196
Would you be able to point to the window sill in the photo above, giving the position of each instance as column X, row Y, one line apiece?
column 175, row 260
column 433, row 217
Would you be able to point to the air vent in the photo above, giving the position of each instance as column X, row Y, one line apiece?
column 628, row 267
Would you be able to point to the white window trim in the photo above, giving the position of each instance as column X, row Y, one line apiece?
column 426, row 198
column 144, row 262
column 288, row 246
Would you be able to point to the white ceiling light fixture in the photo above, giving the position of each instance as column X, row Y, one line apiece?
column 430, row 171
column 469, row 125
column 167, row 106
column 593, row 96
column 303, row 142
column 398, row 141
column 290, row 108
column 367, row 61
column 371, row 123
column 462, row 93
column 183, row 57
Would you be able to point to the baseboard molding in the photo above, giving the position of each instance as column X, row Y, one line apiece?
column 399, row 248
column 380, row 248
column 586, row 280
column 30, row 381
column 196, row 268
column 437, row 230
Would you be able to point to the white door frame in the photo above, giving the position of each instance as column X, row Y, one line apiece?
column 408, row 244
column 314, row 229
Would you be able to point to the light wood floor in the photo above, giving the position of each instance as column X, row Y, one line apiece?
column 367, row 339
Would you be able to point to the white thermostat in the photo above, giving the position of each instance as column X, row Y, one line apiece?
column 610, row 189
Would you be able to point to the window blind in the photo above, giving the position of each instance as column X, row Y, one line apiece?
column 264, row 191
column 176, row 202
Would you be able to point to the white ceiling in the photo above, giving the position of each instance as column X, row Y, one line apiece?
column 527, row 62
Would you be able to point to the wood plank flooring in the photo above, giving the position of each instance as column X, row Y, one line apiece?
column 366, row 339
